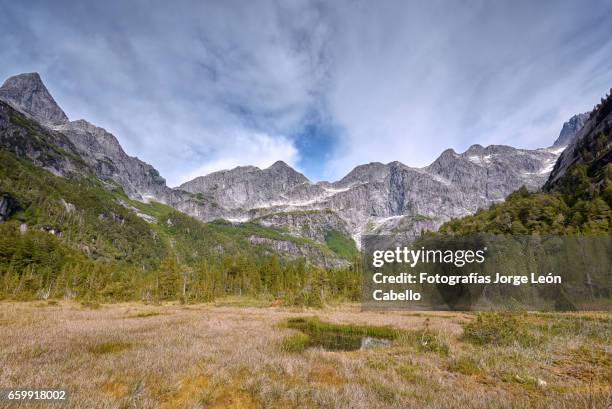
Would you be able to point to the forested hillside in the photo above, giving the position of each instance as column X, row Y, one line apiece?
column 65, row 233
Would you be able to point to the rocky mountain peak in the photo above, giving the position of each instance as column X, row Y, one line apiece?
column 370, row 172
column 27, row 93
column 570, row 129
column 372, row 197
column 249, row 186
column 279, row 164
column 475, row 149
column 448, row 154
column 589, row 145
column 281, row 167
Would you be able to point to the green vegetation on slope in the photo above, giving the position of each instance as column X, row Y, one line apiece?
column 79, row 212
column 341, row 245
column 74, row 238
column 579, row 204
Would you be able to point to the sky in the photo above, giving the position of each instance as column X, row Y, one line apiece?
column 193, row 87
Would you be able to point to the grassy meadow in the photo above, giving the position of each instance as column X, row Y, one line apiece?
column 238, row 354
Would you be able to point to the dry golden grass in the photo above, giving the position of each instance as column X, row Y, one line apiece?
column 207, row 356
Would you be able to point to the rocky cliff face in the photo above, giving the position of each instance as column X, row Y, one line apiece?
column 312, row 224
column 378, row 197
column 103, row 153
column 489, row 174
column 27, row 139
column 99, row 149
column 592, row 145
column 570, row 129
column 27, row 93
column 248, row 187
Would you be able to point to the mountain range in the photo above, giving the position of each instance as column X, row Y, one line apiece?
column 372, row 198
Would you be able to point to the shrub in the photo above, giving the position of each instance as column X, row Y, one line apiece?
column 498, row 329
column 430, row 341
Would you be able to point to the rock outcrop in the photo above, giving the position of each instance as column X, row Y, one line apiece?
column 27, row 139
column 103, row 153
column 247, row 187
column 312, row 224
column 8, row 206
column 27, row 93
column 570, row 129
column 592, row 145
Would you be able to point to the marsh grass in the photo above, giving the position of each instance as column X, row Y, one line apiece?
column 500, row 329
column 146, row 314
column 425, row 340
column 110, row 347
column 91, row 305
column 409, row 372
column 242, row 302
column 232, row 357
column 310, row 325
column 465, row 365
column 297, row 342
column 596, row 328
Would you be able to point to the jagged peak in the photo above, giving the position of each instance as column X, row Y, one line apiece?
column 364, row 173
column 599, row 120
column 489, row 150
column 448, row 152
column 28, row 93
column 279, row 164
column 569, row 129
column 475, row 149
column 223, row 172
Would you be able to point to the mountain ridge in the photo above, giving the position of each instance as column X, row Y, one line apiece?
column 371, row 198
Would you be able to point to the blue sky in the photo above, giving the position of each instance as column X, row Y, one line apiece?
column 193, row 87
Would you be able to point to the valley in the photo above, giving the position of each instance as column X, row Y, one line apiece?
column 306, row 204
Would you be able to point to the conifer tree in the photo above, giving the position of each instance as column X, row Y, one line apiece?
column 168, row 278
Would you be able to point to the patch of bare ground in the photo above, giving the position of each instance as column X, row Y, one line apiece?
column 216, row 356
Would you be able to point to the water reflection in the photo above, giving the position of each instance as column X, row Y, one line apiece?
column 332, row 341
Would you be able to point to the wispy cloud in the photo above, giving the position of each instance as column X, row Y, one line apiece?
column 259, row 150
column 193, row 87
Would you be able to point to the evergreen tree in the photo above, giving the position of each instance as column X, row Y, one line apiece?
column 168, row 278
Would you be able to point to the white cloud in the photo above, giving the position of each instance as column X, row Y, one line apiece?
column 255, row 149
column 412, row 79
column 195, row 86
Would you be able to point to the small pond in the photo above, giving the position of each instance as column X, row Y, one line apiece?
column 345, row 342
column 337, row 337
